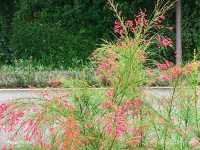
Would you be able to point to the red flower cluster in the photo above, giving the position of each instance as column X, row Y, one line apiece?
column 118, row 29
column 139, row 22
column 190, row 68
column 33, row 124
column 194, row 142
column 176, row 71
column 14, row 119
column 141, row 19
column 166, row 65
column 169, row 71
column 71, row 134
column 11, row 117
column 32, row 131
column 117, row 123
column 166, row 77
column 3, row 108
column 164, row 42
column 129, row 23
column 158, row 22
column 110, row 93
column 134, row 104
column 107, row 67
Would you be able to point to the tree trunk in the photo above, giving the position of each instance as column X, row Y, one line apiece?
column 178, row 33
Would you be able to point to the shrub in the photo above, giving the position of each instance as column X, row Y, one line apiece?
column 42, row 42
column 121, row 117
column 24, row 74
column 55, row 33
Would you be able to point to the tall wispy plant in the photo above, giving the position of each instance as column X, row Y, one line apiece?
column 134, row 38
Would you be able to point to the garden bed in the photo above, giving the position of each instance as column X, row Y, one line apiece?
column 38, row 94
column 154, row 95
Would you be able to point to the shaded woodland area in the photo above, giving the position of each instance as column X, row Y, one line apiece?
column 64, row 33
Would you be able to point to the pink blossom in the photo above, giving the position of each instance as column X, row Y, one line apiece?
column 69, row 106
column 4, row 147
column 108, row 105
column 164, row 42
column 176, row 71
column 118, row 29
column 129, row 23
column 14, row 119
column 189, row 68
column 162, row 66
column 166, row 78
column 116, row 124
column 3, row 109
column 121, row 125
column 141, row 19
column 106, row 68
column 194, row 142
column 110, row 93
column 158, row 22
column 166, row 65
column 109, row 128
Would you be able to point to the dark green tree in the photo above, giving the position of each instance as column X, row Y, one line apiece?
column 7, row 10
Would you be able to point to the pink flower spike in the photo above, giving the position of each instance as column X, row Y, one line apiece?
column 164, row 42
column 129, row 23
column 162, row 66
column 194, row 142
column 166, row 78
column 168, row 63
column 176, row 71
column 4, row 147
column 110, row 93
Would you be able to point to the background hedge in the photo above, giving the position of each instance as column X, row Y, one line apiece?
column 64, row 33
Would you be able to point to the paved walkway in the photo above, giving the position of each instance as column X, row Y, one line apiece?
column 11, row 94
